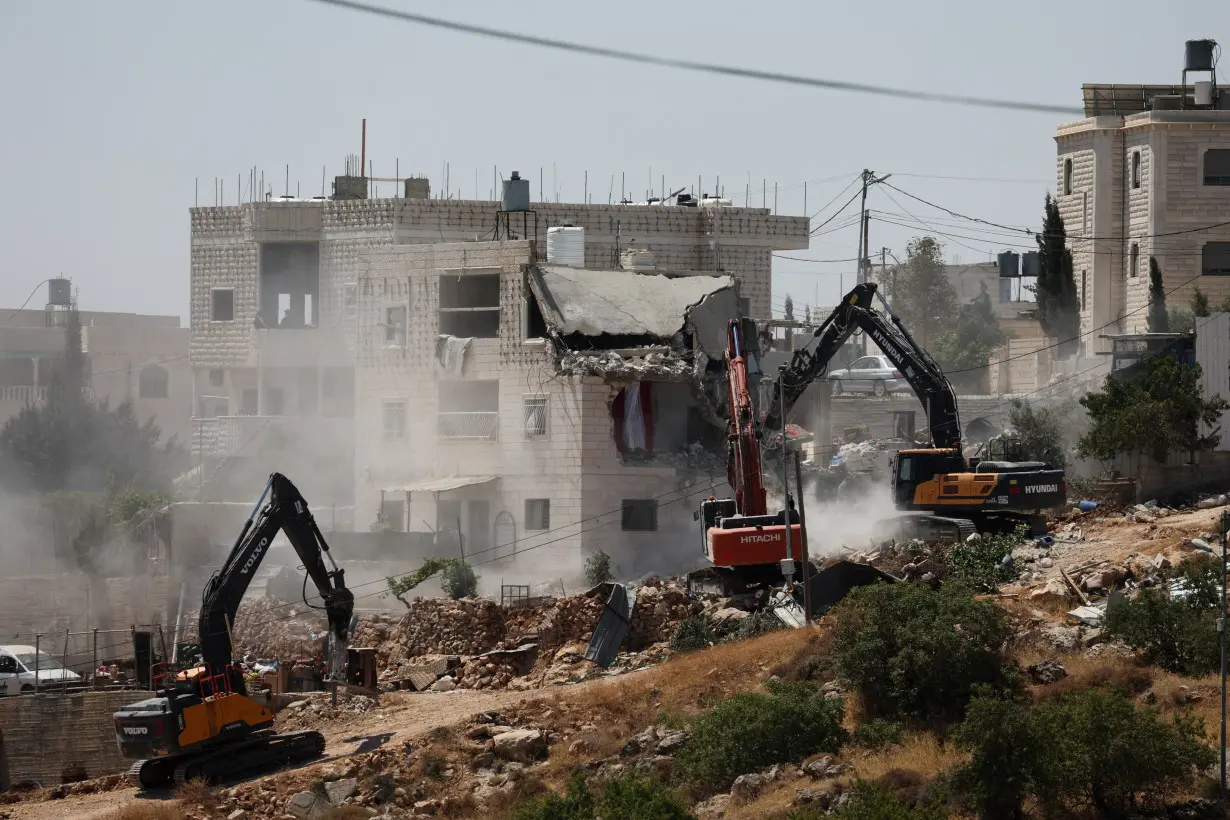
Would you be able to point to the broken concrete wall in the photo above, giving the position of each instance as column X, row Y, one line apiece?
column 50, row 738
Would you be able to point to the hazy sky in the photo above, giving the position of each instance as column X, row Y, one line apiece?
column 112, row 110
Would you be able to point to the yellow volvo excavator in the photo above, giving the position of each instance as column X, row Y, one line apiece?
column 203, row 723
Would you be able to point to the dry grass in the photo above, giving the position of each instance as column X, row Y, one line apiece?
column 149, row 810
column 196, row 793
column 920, row 753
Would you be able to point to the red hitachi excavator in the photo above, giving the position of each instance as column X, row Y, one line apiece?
column 744, row 541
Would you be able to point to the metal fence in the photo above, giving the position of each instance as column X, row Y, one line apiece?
column 91, row 660
column 468, row 425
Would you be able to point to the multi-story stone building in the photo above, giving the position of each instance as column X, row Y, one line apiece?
column 134, row 358
column 1145, row 174
column 314, row 334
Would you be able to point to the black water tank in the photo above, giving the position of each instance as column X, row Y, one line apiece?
column 1029, row 264
column 1198, row 55
column 1009, row 265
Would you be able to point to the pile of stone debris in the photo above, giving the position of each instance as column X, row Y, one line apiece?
column 311, row 710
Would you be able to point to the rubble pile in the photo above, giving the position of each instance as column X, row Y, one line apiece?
column 318, row 708
column 269, row 628
column 660, row 607
column 436, row 626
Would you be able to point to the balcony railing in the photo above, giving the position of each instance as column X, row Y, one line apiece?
column 475, row 426
column 23, row 394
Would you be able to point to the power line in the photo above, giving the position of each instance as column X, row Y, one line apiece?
column 28, row 298
column 838, row 213
column 1008, row 181
column 708, row 68
column 954, row 213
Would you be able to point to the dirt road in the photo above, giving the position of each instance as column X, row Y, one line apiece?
column 404, row 717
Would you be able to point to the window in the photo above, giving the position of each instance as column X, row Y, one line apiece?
column 538, row 513
column 273, row 401
column 1135, row 169
column 1084, row 290
column 1217, row 166
column 152, row 382
column 248, row 402
column 640, row 515
column 289, row 282
column 216, row 377
column 1134, row 261
column 467, row 409
column 222, row 305
column 1067, row 177
column 395, row 326
column 535, row 409
column 1215, row 259
column 393, row 513
column 394, row 423
column 470, row 305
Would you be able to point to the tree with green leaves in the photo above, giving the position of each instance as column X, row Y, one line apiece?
column 1200, row 300
column 1160, row 411
column 974, row 337
column 1159, row 318
column 789, row 310
column 1059, row 308
column 924, row 297
column 1038, row 431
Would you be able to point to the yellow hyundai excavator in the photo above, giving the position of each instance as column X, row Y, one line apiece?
column 203, row 722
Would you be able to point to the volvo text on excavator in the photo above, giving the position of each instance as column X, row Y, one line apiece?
column 203, row 723
column 938, row 492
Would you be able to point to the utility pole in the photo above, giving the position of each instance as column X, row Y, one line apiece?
column 864, row 263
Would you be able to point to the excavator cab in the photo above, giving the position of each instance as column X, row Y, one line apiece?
column 914, row 467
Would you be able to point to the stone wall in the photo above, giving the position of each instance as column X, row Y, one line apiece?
column 48, row 738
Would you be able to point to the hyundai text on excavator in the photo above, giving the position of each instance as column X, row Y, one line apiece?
column 939, row 493
column 203, row 723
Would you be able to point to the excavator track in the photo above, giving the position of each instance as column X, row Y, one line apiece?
column 254, row 755
column 928, row 527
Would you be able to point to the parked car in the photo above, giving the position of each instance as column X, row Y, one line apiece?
column 17, row 665
column 870, row 374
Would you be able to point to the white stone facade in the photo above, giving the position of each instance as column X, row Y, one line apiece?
column 1111, row 202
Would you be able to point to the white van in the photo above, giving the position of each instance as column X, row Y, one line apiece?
column 17, row 665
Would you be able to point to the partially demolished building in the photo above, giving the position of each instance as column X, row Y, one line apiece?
column 543, row 412
column 328, row 341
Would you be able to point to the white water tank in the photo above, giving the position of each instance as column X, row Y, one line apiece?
column 566, row 246
column 715, row 202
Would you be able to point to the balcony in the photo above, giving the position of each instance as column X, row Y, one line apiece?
column 23, row 394
column 467, row 426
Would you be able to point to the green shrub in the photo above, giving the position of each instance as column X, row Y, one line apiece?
column 459, row 581
column 1177, row 634
column 758, row 623
column 871, row 802
column 629, row 796
column 911, row 651
column 753, row 730
column 598, row 569
column 877, row 733
column 692, row 634
column 1003, row 745
column 979, row 564
column 1084, row 751
column 1098, row 750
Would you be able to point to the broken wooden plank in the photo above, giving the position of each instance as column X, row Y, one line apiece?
column 1084, row 599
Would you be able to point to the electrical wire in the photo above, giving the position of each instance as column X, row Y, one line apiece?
column 28, row 298
column 838, row 213
column 708, row 68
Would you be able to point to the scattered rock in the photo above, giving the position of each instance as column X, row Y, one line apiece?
column 520, row 744
column 444, row 684
column 747, row 786
column 672, row 741
column 305, row 805
column 340, row 791
column 1046, row 671
column 713, row 808
column 238, row 814
column 820, row 799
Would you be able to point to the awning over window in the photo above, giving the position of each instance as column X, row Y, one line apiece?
column 440, row 485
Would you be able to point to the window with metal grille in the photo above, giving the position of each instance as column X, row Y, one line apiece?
column 394, row 419
column 395, row 326
column 1135, row 169
column 1217, row 166
column 1134, row 260
column 1084, row 290
column 1215, row 259
column 1067, row 177
column 535, row 409
column 350, row 302
column 538, row 513
column 216, row 377
column 640, row 514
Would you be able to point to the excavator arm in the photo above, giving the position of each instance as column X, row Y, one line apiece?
column 857, row 312
column 288, row 512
